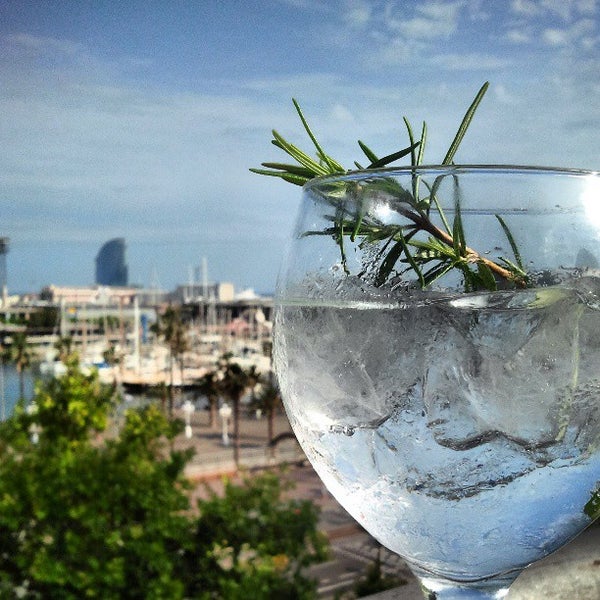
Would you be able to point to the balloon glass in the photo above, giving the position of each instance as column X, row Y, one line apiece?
column 437, row 345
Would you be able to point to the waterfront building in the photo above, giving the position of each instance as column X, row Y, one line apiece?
column 97, row 295
column 111, row 268
column 204, row 292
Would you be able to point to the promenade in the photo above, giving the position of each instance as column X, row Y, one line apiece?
column 573, row 573
column 213, row 459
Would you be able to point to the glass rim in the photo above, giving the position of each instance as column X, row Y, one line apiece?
column 447, row 170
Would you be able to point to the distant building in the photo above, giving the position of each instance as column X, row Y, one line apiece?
column 111, row 268
column 98, row 295
column 4, row 241
column 211, row 292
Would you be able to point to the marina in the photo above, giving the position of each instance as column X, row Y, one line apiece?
column 120, row 333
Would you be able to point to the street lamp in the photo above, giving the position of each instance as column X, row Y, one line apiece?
column 188, row 409
column 225, row 413
column 34, row 428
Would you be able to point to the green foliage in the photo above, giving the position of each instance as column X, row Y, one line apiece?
column 64, row 348
column 86, row 514
column 18, row 352
column 68, row 408
column 418, row 244
column 171, row 328
column 375, row 580
column 258, row 543
column 234, row 381
column 592, row 508
column 84, row 517
column 208, row 385
column 268, row 398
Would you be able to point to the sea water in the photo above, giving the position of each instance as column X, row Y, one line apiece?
column 10, row 388
column 462, row 431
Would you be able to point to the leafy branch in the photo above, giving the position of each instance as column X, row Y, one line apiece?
column 419, row 245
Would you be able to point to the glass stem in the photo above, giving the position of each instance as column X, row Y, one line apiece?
column 436, row 588
column 462, row 593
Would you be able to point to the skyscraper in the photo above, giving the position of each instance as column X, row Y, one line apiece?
column 111, row 268
column 4, row 241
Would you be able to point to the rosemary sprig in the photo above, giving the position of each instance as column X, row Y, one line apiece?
column 592, row 508
column 420, row 245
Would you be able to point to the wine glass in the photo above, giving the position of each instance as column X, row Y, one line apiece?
column 437, row 345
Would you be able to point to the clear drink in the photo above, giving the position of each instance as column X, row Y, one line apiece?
column 463, row 431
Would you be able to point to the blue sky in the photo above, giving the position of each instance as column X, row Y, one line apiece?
column 140, row 119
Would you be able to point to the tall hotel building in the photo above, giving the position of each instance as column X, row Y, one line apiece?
column 111, row 268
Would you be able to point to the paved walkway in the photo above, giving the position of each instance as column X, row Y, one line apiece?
column 213, row 458
column 573, row 573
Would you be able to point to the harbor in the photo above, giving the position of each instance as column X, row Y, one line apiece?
column 116, row 331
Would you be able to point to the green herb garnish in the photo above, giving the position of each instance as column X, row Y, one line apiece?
column 592, row 508
column 419, row 245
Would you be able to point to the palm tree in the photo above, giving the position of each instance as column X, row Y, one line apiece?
column 19, row 352
column 171, row 328
column 209, row 386
column 235, row 382
column 64, row 347
column 268, row 401
column 112, row 358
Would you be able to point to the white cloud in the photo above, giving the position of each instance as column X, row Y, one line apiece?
column 518, row 36
column 566, row 10
column 39, row 45
column 434, row 19
column 357, row 13
column 79, row 139
column 478, row 10
column 555, row 37
column 561, row 24
column 587, row 7
column 527, row 8
column 87, row 156
column 561, row 8
column 503, row 95
column 579, row 35
column 341, row 113
column 469, row 62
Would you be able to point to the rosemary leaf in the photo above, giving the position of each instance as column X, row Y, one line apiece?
column 368, row 152
column 289, row 177
column 511, row 241
column 390, row 158
column 333, row 165
column 416, row 242
column 460, row 134
column 487, row 277
column 299, row 155
column 592, row 508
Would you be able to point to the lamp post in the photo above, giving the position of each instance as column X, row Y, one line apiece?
column 225, row 413
column 34, row 428
column 188, row 409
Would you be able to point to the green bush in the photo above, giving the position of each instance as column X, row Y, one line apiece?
column 87, row 514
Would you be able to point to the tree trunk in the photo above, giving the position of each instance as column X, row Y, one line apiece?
column 271, row 425
column 171, row 386
column 271, row 431
column 236, row 431
column 21, row 381
column 212, row 400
